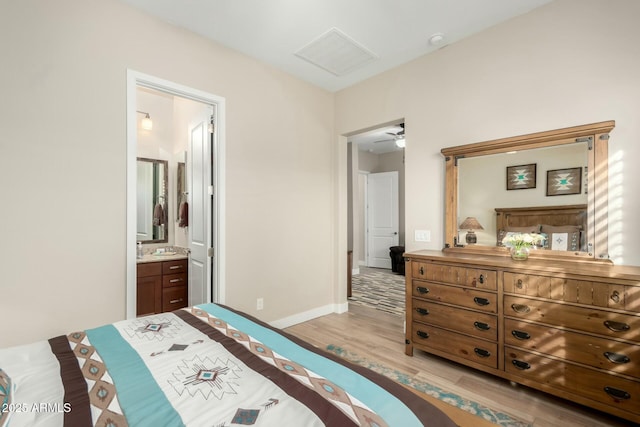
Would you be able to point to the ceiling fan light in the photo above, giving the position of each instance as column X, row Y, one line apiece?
column 400, row 142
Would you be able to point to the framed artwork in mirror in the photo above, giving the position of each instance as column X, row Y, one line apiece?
column 521, row 177
column 561, row 182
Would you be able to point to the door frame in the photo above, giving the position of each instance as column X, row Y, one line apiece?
column 136, row 79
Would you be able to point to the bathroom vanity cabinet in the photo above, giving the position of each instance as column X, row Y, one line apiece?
column 161, row 286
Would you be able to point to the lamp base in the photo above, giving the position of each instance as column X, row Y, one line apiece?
column 471, row 237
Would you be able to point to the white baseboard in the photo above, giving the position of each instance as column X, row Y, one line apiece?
column 309, row 315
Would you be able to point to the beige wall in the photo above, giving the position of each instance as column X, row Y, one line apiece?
column 63, row 146
column 63, row 163
column 568, row 63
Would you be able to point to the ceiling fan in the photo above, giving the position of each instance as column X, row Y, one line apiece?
column 399, row 134
column 395, row 135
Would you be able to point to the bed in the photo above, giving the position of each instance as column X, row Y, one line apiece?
column 563, row 227
column 207, row 365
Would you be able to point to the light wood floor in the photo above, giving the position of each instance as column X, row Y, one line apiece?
column 379, row 337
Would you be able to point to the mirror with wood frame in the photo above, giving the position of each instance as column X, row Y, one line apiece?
column 151, row 201
column 554, row 181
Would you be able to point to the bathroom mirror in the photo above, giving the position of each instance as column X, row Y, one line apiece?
column 181, row 187
column 541, row 157
column 152, row 201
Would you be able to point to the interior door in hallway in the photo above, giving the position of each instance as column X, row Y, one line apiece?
column 382, row 217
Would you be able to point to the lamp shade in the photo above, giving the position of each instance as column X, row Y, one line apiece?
column 470, row 224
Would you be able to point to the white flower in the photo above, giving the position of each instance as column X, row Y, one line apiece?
column 519, row 240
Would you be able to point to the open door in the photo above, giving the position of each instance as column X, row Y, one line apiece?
column 199, row 172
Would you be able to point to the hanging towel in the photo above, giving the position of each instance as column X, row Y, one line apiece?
column 158, row 215
column 183, row 220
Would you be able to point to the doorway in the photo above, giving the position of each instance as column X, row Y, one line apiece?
column 375, row 210
column 205, row 172
column 374, row 158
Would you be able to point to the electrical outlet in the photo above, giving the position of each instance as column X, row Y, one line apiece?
column 422, row 236
column 260, row 303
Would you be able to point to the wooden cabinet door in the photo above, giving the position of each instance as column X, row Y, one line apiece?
column 149, row 295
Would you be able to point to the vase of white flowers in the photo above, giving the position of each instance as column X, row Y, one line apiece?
column 520, row 244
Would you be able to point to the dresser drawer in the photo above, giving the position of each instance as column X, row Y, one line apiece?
column 473, row 349
column 463, row 276
column 464, row 297
column 612, row 390
column 169, row 280
column 146, row 269
column 586, row 319
column 606, row 295
column 174, row 298
column 590, row 350
column 466, row 321
column 172, row 267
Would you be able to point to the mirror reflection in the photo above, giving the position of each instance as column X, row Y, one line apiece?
column 152, row 215
column 525, row 191
column 556, row 178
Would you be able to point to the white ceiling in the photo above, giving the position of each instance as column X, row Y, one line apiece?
column 391, row 31
column 394, row 31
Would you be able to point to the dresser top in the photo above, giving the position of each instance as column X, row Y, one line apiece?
column 532, row 265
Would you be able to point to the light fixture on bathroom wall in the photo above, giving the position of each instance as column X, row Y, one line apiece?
column 146, row 123
column 400, row 142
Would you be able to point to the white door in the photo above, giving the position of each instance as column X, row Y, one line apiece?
column 199, row 178
column 382, row 217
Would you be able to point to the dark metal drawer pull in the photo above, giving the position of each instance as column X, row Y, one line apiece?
column 617, row 393
column 482, row 278
column 520, row 308
column 423, row 290
column 422, row 271
column 481, row 326
column 521, row 335
column 519, row 284
column 422, row 311
column 481, row 301
column 422, row 334
column 616, row 357
column 481, row 352
column 520, row 364
column 616, row 326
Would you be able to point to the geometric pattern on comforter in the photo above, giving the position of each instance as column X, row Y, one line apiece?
column 212, row 366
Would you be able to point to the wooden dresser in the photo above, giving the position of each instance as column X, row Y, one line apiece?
column 161, row 286
column 568, row 328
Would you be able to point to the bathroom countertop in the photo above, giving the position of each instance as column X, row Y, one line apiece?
column 157, row 258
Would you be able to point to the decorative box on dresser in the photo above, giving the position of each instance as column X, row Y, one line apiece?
column 161, row 286
column 568, row 328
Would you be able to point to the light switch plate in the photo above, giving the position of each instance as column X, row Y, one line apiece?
column 422, row 236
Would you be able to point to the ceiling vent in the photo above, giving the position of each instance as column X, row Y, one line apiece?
column 336, row 53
